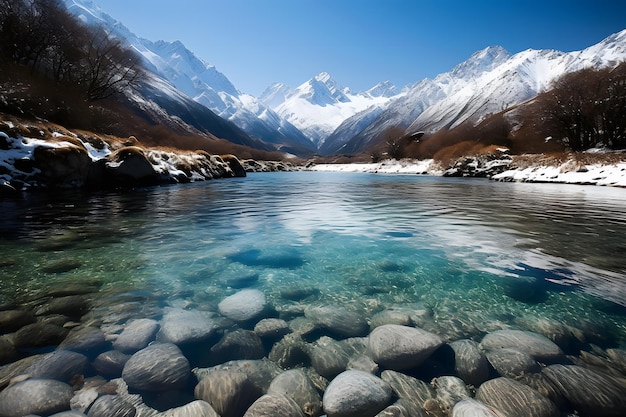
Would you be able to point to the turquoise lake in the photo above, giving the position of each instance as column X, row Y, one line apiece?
column 479, row 255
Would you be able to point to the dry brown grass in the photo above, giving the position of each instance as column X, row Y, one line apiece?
column 577, row 159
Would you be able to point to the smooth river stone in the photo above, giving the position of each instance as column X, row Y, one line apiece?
column 136, row 335
column 8, row 353
column 62, row 365
column 39, row 335
column 274, row 405
column 342, row 322
column 589, row 392
column 35, row 396
column 470, row 362
column 238, row 344
column 72, row 306
column 260, row 372
column 328, row 357
column 196, row 408
column 450, row 390
column 183, row 326
column 290, row 351
column 111, row 406
column 271, row 328
column 538, row 346
column 87, row 340
column 229, row 393
column 401, row 347
column 515, row 399
column 473, row 408
column 512, row 363
column 110, row 363
column 409, row 388
column 159, row 367
column 243, row 306
column 295, row 384
column 356, row 394
column 12, row 320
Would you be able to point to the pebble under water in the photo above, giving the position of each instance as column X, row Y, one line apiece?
column 293, row 294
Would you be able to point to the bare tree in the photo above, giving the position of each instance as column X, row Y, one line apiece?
column 108, row 68
column 588, row 108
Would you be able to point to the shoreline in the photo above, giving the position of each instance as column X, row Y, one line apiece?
column 505, row 170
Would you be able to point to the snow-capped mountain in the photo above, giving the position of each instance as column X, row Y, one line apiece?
column 490, row 81
column 321, row 115
column 202, row 82
column 318, row 106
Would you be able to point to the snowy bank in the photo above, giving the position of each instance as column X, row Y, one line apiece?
column 568, row 172
column 405, row 166
column 67, row 160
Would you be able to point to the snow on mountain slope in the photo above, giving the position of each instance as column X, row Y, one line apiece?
column 517, row 79
column 318, row 106
column 359, row 131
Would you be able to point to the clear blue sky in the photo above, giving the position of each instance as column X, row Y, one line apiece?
column 361, row 42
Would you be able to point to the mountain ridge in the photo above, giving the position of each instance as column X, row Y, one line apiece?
column 321, row 115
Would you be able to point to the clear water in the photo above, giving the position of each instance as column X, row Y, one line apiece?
column 478, row 255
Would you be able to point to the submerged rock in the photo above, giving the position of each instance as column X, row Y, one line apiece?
column 337, row 320
column 35, row 396
column 88, row 340
column 38, row 335
column 297, row 386
column 72, row 306
column 196, row 408
column 271, row 405
column 356, row 394
column 450, row 390
column 7, row 351
column 229, row 393
column 536, row 345
column 512, row 363
column 110, row 363
column 137, row 335
column 243, row 306
column 238, row 344
column 111, row 406
column 183, row 326
column 401, row 347
column 515, row 399
column 411, row 389
column 328, row 357
column 470, row 362
column 12, row 320
column 473, row 408
column 61, row 365
column 290, row 351
column 159, row 367
column 260, row 372
column 271, row 328
column 587, row 391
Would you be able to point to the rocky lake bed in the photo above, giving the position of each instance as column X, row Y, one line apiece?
column 78, row 351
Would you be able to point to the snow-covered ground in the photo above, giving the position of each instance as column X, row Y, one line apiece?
column 404, row 166
column 595, row 174
column 566, row 173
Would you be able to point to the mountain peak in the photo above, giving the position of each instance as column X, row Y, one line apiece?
column 481, row 61
column 323, row 77
column 383, row 89
column 321, row 90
